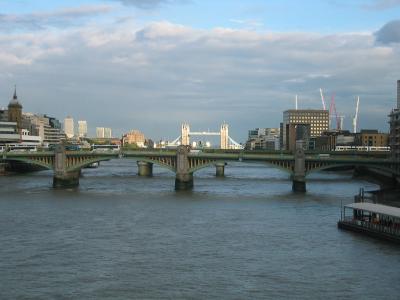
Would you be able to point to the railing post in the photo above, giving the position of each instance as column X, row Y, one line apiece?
column 299, row 176
column 183, row 179
column 62, row 178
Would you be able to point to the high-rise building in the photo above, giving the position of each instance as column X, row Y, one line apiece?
column 82, row 129
column 69, row 127
column 107, row 133
column 303, row 124
column 103, row 133
column 100, row 132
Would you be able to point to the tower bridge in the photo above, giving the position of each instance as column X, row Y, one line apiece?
column 67, row 165
column 226, row 142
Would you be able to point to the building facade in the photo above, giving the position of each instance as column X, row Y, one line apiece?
column 69, row 127
column 303, row 124
column 372, row 138
column 394, row 121
column 15, row 111
column 134, row 137
column 82, row 129
column 103, row 133
column 263, row 139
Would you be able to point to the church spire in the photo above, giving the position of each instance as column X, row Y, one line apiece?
column 15, row 92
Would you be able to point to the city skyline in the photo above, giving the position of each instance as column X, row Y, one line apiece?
column 156, row 66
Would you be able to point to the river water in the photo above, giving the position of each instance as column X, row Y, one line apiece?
column 246, row 236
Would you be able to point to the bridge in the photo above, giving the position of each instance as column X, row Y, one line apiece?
column 67, row 165
column 226, row 142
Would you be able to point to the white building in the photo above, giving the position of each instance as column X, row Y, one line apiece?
column 103, row 132
column 82, row 129
column 107, row 133
column 100, row 132
column 69, row 127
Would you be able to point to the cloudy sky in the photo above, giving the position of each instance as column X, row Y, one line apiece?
column 152, row 64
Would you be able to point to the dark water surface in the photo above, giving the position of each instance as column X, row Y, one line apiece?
column 247, row 236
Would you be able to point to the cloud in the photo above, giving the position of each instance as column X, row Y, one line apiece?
column 382, row 4
column 58, row 18
column 389, row 33
column 148, row 4
column 154, row 77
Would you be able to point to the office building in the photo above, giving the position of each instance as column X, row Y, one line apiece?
column 263, row 139
column 82, row 129
column 107, row 133
column 103, row 132
column 372, row 138
column 303, row 124
column 69, row 127
column 100, row 132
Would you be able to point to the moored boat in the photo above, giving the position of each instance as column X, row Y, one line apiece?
column 376, row 220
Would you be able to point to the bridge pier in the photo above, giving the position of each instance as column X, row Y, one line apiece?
column 145, row 168
column 3, row 168
column 220, row 169
column 66, row 179
column 183, row 179
column 63, row 178
column 299, row 176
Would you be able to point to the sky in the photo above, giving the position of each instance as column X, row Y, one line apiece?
column 151, row 65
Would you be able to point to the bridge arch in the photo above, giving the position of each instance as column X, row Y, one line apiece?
column 86, row 163
column 369, row 166
column 158, row 163
column 36, row 162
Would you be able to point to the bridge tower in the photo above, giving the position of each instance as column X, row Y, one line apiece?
column 224, row 136
column 185, row 140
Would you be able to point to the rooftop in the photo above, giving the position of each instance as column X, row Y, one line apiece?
column 376, row 208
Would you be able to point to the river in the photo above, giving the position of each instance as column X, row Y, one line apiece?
column 245, row 236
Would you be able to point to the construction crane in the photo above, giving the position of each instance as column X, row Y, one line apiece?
column 322, row 99
column 355, row 119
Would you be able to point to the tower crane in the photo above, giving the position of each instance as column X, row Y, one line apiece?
column 322, row 99
column 355, row 119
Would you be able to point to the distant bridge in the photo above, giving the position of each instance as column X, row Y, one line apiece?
column 226, row 142
column 66, row 165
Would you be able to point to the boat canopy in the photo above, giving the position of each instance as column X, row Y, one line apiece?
column 376, row 208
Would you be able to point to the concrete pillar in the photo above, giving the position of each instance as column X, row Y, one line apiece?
column 66, row 180
column 220, row 169
column 62, row 178
column 3, row 168
column 145, row 168
column 183, row 179
column 299, row 176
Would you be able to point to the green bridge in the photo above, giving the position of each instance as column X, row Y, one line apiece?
column 67, row 165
